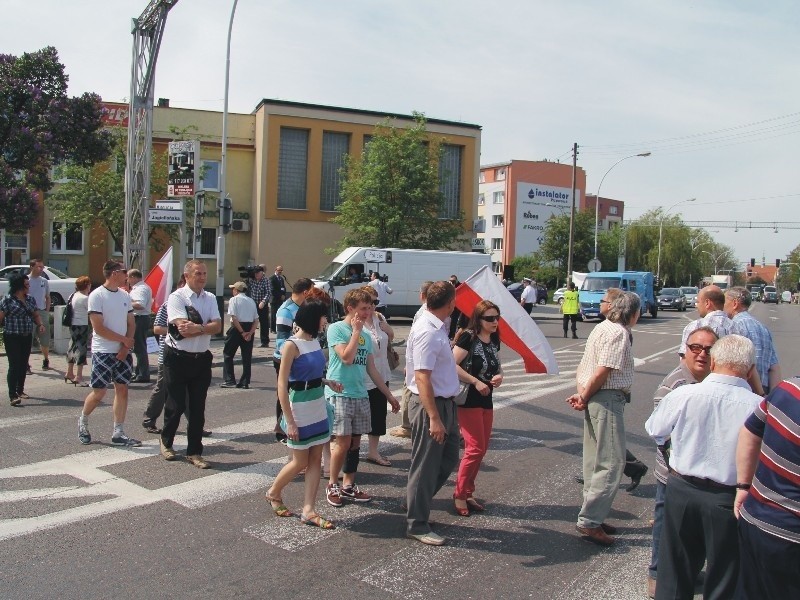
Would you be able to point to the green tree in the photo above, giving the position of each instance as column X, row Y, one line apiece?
column 555, row 244
column 40, row 127
column 789, row 271
column 391, row 195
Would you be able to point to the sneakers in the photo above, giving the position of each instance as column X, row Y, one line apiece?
column 150, row 426
column 400, row 432
column 83, row 435
column 352, row 492
column 15, row 400
column 431, row 538
column 124, row 440
column 166, row 451
column 198, row 461
column 333, row 494
column 46, row 364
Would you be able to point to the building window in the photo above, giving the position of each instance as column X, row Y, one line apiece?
column 497, row 243
column 66, row 238
column 481, row 199
column 498, row 197
column 292, row 168
column 497, row 220
column 210, row 173
column 482, row 177
column 612, row 210
column 334, row 150
column 450, row 181
column 500, row 174
column 205, row 246
column 497, row 267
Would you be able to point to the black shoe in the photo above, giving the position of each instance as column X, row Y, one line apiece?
column 228, row 384
column 46, row 365
column 243, row 386
column 264, row 345
column 565, row 334
column 150, row 426
column 636, row 478
column 206, row 433
column 574, row 336
column 29, row 372
column 134, row 379
column 579, row 479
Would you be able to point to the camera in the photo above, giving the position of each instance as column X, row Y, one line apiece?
column 383, row 278
column 249, row 271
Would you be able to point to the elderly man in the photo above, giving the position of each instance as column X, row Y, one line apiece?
column 710, row 302
column 703, row 422
column 694, row 368
column 244, row 321
column 431, row 377
column 142, row 301
column 604, row 379
column 737, row 305
column 768, row 497
column 528, row 297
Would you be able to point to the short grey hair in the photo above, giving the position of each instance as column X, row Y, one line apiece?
column 741, row 294
column 623, row 308
column 735, row 352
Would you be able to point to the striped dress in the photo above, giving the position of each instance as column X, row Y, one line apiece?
column 308, row 406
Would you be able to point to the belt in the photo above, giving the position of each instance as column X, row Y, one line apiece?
column 184, row 352
column 703, row 482
column 299, row 386
column 442, row 398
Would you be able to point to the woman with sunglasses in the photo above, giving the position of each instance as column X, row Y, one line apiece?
column 382, row 336
column 480, row 341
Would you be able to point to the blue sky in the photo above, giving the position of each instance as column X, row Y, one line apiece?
column 617, row 77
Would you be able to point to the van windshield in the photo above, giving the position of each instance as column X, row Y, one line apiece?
column 328, row 272
column 599, row 284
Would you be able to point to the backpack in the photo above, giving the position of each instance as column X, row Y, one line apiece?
column 69, row 312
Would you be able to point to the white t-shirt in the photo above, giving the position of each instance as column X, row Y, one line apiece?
column 529, row 295
column 383, row 290
column 114, row 306
column 380, row 343
column 244, row 308
column 40, row 289
column 142, row 294
column 80, row 309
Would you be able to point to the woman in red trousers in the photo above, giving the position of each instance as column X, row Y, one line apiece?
column 476, row 352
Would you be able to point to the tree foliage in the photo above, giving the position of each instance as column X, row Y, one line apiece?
column 391, row 194
column 789, row 272
column 554, row 247
column 39, row 127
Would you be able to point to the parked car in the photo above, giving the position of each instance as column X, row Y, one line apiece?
column 558, row 295
column 61, row 284
column 516, row 290
column 771, row 295
column 691, row 295
column 671, row 298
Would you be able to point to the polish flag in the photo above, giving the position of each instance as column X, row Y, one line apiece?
column 160, row 280
column 517, row 329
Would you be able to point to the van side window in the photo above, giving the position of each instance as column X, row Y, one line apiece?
column 354, row 274
column 625, row 284
column 633, row 285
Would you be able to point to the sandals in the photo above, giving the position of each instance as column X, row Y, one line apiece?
column 317, row 521
column 461, row 512
column 280, row 510
column 475, row 505
column 380, row 461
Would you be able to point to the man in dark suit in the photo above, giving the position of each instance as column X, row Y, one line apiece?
column 277, row 286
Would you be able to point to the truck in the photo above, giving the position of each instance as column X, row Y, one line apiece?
column 723, row 282
column 403, row 269
column 596, row 284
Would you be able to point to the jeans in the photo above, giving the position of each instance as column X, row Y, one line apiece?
column 18, row 351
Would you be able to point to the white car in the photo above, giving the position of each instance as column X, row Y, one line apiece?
column 61, row 285
column 558, row 295
column 691, row 295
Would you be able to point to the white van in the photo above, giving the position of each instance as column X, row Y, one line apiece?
column 405, row 271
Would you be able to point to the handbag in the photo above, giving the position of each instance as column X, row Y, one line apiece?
column 466, row 364
column 394, row 358
column 69, row 312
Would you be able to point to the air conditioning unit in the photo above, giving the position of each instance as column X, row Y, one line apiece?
column 240, row 225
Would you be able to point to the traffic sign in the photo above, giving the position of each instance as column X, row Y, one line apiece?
column 594, row 265
column 156, row 215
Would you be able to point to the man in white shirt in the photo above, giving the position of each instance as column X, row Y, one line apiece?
column 528, row 297
column 710, row 301
column 142, row 301
column 40, row 291
column 383, row 290
column 193, row 318
column 111, row 316
column 703, row 422
column 244, row 320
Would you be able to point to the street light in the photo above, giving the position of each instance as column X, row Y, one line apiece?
column 597, row 197
column 661, row 233
column 716, row 258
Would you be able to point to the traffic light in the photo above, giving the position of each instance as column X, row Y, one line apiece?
column 752, row 262
column 225, row 214
column 777, row 263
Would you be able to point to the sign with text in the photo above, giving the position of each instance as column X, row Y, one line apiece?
column 157, row 215
column 169, row 204
column 377, row 256
column 182, row 175
column 536, row 204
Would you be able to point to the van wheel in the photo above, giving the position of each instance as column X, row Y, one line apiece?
column 654, row 311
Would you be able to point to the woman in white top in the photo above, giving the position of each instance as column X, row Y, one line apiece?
column 382, row 336
column 79, row 331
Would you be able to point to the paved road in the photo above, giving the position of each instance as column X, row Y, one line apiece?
column 100, row 521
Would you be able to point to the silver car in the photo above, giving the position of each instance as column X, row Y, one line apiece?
column 558, row 295
column 691, row 296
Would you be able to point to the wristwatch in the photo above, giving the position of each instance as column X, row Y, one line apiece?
column 742, row 486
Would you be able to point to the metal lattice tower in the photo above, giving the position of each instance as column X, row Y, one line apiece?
column 147, row 32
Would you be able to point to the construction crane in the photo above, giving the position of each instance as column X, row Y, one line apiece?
column 147, row 32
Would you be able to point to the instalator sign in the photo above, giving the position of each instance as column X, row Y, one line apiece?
column 181, row 177
column 536, row 204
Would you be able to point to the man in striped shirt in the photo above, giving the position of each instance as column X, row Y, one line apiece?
column 768, row 505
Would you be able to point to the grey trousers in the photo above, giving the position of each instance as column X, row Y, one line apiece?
column 431, row 463
column 603, row 455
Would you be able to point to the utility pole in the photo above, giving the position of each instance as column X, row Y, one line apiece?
column 572, row 212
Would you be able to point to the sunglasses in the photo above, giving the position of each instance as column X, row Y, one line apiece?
column 491, row 318
column 376, row 302
column 698, row 348
column 604, row 301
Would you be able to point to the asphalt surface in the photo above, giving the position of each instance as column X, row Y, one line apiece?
column 99, row 521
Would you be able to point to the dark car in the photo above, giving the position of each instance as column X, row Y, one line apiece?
column 516, row 290
column 671, row 298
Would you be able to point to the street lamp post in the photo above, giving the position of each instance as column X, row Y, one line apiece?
column 597, row 197
column 715, row 258
column 661, row 234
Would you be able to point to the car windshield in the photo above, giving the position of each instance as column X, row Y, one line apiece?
column 689, row 290
column 328, row 272
column 57, row 273
column 769, row 288
column 670, row 292
column 599, row 284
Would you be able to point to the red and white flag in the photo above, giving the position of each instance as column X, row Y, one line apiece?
column 160, row 280
column 517, row 329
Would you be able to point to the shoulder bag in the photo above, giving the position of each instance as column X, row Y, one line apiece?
column 466, row 364
column 69, row 312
